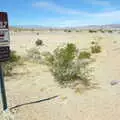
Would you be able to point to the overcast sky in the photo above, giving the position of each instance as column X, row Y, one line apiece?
column 62, row 12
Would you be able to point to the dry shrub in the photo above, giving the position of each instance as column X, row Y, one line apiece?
column 34, row 55
column 92, row 31
column 39, row 42
column 67, row 66
column 84, row 55
column 11, row 63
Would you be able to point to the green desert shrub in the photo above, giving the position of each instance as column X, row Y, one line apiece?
column 84, row 55
column 14, row 57
column 67, row 67
column 39, row 42
column 110, row 31
column 66, row 30
column 37, row 33
column 96, row 49
column 69, row 30
column 93, row 42
column 11, row 63
column 48, row 58
column 92, row 31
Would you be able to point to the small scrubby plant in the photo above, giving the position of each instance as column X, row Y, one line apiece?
column 14, row 57
column 92, row 31
column 39, row 42
column 66, row 30
column 110, row 31
column 69, row 31
column 48, row 58
column 93, row 42
column 11, row 63
column 96, row 49
column 84, row 55
column 37, row 33
column 66, row 66
column 33, row 54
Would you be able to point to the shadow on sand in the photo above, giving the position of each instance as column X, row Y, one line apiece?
column 34, row 102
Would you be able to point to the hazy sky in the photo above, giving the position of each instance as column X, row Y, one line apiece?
column 61, row 12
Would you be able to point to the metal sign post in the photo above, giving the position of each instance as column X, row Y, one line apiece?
column 3, row 93
column 4, row 53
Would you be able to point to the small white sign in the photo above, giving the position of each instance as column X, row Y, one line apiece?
column 4, row 37
column 4, row 31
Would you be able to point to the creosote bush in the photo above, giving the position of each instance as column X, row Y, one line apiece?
column 11, row 63
column 110, row 31
column 92, row 31
column 37, row 33
column 84, row 55
column 96, row 49
column 39, row 42
column 69, row 30
column 93, row 42
column 66, row 30
column 67, row 66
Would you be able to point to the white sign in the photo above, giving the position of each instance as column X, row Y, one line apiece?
column 3, row 24
column 4, row 31
column 4, row 37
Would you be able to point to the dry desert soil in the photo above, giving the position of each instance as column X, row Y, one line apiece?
column 33, row 94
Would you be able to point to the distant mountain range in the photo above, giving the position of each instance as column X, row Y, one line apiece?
column 109, row 26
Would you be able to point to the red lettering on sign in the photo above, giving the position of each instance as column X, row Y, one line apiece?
column 3, row 20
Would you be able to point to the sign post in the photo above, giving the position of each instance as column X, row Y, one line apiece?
column 3, row 93
column 4, row 53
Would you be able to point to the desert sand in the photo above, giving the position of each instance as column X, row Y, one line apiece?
column 33, row 83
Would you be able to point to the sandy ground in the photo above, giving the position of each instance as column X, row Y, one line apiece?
column 30, row 87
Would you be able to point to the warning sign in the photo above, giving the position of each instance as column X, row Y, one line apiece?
column 3, row 20
column 4, row 31
column 4, row 37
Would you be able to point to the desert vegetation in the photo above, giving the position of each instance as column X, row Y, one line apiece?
column 67, row 64
column 9, row 65
column 39, row 42
column 84, row 55
column 95, row 48
column 92, row 31
column 33, row 55
column 67, row 30
column 110, row 31
column 63, row 64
